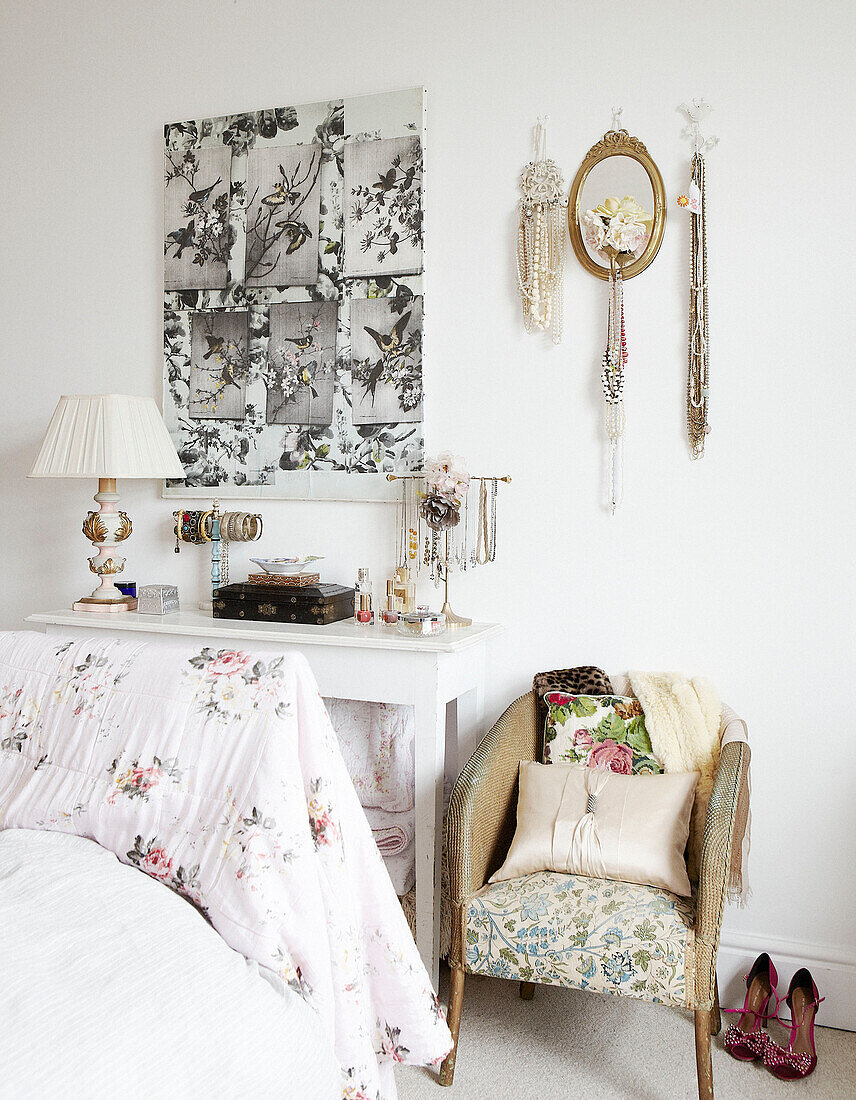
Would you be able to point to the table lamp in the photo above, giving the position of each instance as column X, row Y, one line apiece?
column 107, row 436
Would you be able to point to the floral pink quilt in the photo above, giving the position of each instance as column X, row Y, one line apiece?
column 218, row 773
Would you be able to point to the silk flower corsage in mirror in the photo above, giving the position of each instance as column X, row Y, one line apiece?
column 616, row 224
column 446, row 485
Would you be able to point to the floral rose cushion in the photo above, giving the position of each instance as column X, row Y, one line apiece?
column 600, row 731
column 589, row 933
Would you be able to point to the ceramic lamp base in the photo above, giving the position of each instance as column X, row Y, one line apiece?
column 87, row 603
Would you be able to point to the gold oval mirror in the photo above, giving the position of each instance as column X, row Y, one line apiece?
column 617, row 177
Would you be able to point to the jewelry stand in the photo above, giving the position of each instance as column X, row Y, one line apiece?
column 193, row 527
column 445, row 564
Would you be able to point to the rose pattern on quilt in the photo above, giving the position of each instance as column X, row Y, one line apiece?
column 595, row 934
column 254, row 845
column 18, row 715
column 87, row 683
column 154, row 860
column 268, row 839
column 136, row 781
column 230, row 682
column 324, row 831
column 600, row 731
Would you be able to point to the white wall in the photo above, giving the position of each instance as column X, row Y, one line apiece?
column 739, row 566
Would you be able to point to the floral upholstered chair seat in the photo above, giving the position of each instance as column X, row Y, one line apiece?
column 587, row 933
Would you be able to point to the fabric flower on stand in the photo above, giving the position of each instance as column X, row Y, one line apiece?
column 446, row 485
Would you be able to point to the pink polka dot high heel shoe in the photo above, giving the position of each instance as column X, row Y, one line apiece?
column 746, row 1039
column 800, row 1057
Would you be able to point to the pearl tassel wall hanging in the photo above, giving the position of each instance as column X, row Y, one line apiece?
column 541, row 240
column 695, row 203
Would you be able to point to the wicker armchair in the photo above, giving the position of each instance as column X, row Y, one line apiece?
column 675, row 953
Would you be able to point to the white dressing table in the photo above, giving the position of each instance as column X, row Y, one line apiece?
column 375, row 664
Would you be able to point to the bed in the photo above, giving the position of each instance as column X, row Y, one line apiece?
column 218, row 775
column 113, row 985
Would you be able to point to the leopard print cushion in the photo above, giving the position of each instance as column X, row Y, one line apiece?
column 582, row 680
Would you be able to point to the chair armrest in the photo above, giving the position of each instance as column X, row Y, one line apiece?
column 716, row 864
column 483, row 808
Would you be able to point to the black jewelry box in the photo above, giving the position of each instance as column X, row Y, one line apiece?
column 316, row 605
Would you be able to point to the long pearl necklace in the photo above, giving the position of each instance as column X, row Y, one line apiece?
column 541, row 241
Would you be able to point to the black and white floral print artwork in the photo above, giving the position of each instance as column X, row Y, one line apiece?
column 383, row 219
column 386, row 360
column 283, row 195
column 272, row 417
column 197, row 236
column 218, row 365
column 300, row 370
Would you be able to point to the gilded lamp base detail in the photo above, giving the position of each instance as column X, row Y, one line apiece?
column 105, row 529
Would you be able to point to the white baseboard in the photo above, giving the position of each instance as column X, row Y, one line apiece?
column 833, row 970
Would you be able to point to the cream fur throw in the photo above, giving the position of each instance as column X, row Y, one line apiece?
column 683, row 717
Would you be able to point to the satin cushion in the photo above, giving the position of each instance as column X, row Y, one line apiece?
column 589, row 821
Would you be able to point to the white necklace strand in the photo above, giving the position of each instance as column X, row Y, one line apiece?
column 541, row 240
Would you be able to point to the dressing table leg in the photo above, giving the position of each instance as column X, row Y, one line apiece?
column 429, row 762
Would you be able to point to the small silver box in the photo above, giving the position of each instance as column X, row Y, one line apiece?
column 157, row 599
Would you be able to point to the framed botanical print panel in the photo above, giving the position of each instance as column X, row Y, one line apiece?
column 294, row 298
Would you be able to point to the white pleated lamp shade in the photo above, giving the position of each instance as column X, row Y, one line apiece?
column 107, row 435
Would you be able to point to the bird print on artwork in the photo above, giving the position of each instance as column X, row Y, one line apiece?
column 215, row 345
column 183, row 238
column 297, row 233
column 390, row 343
column 303, row 343
column 202, row 194
column 283, row 194
column 227, row 375
column 219, row 347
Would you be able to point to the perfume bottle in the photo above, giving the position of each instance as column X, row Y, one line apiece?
column 363, row 611
column 404, row 589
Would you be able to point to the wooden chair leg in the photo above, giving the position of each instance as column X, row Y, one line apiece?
column 527, row 991
column 704, row 1067
column 456, row 1000
column 715, row 1016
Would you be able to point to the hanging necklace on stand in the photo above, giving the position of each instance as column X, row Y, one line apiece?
column 695, row 203
column 541, row 240
column 492, row 549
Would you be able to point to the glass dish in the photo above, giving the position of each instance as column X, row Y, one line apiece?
column 422, row 624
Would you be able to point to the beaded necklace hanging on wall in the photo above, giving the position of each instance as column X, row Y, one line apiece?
column 613, row 363
column 541, row 240
column 695, row 203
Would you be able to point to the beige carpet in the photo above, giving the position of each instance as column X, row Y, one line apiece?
column 568, row 1044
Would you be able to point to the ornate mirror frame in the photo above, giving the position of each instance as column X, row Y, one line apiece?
column 617, row 143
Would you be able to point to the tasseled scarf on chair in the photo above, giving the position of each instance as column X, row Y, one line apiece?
column 688, row 725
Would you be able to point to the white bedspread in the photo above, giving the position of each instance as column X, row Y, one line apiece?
column 113, row 986
column 218, row 773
